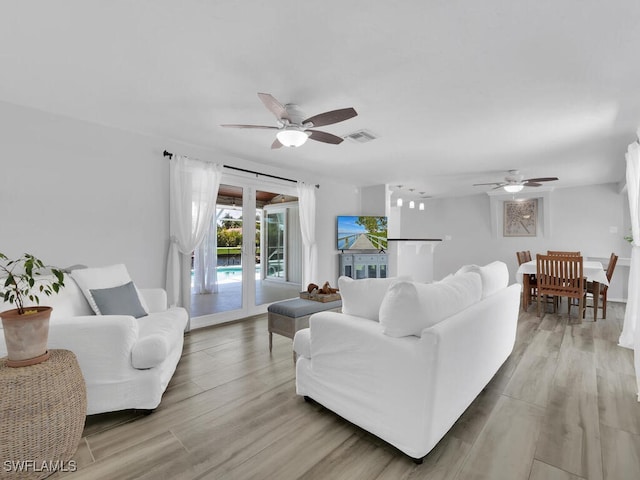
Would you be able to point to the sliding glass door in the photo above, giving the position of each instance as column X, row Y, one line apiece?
column 253, row 240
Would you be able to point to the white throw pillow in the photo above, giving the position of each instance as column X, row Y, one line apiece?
column 495, row 276
column 103, row 277
column 410, row 307
column 362, row 298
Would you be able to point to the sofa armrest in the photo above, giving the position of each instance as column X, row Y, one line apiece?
column 353, row 357
column 471, row 346
column 155, row 298
column 102, row 343
column 367, row 377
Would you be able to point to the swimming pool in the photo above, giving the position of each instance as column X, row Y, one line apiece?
column 230, row 273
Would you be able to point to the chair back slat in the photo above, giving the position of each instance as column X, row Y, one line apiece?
column 563, row 254
column 560, row 275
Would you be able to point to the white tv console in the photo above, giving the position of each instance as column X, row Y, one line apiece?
column 363, row 265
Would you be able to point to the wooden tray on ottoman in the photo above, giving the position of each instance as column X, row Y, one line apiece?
column 321, row 297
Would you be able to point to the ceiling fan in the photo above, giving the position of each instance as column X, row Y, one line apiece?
column 514, row 182
column 294, row 129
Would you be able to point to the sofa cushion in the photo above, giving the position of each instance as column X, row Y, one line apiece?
column 158, row 335
column 362, row 298
column 410, row 307
column 121, row 300
column 102, row 277
column 495, row 276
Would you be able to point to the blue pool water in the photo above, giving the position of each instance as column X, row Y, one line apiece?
column 230, row 273
column 233, row 269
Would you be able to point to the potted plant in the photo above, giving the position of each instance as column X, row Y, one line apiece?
column 26, row 327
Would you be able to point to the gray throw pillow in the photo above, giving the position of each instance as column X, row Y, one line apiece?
column 122, row 300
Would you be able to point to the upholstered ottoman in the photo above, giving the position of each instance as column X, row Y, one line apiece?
column 286, row 318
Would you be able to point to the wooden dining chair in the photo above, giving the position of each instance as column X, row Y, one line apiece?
column 523, row 257
column 529, row 282
column 563, row 254
column 602, row 302
column 561, row 276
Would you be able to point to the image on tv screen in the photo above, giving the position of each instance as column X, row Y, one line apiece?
column 362, row 233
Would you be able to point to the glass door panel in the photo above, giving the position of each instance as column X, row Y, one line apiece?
column 226, row 240
column 275, row 246
column 383, row 271
column 279, row 244
column 373, row 271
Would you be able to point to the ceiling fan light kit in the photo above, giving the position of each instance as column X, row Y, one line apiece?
column 292, row 137
column 513, row 188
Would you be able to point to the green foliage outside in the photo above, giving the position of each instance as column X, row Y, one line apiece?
column 229, row 234
column 229, row 238
column 229, row 222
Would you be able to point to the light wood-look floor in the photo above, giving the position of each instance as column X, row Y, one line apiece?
column 562, row 407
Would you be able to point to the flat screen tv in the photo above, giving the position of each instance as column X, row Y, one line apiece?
column 362, row 233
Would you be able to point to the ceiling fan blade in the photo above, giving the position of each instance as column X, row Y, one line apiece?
column 543, row 179
column 249, row 126
column 532, row 184
column 492, row 183
column 276, row 144
column 274, row 106
column 334, row 116
column 325, row 137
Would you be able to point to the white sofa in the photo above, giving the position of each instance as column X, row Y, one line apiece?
column 126, row 362
column 404, row 360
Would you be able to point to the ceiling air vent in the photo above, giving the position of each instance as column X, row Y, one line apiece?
column 361, row 136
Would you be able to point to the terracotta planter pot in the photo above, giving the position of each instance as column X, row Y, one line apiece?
column 26, row 336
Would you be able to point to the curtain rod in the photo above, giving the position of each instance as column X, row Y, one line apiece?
column 169, row 154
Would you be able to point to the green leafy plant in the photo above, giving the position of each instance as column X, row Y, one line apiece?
column 24, row 280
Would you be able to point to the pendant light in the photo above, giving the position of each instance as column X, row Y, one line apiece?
column 399, row 200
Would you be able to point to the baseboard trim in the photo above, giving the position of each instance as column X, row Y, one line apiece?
column 618, row 300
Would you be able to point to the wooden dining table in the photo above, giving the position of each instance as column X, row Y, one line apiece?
column 592, row 270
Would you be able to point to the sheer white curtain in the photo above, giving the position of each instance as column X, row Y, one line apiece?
column 193, row 190
column 630, row 336
column 307, row 209
column 205, row 261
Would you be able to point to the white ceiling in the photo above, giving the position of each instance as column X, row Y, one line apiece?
column 457, row 91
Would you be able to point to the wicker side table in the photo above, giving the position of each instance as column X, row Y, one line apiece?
column 42, row 414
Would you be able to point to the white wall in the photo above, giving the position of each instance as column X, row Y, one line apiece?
column 373, row 200
column 73, row 192
column 332, row 200
column 581, row 218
